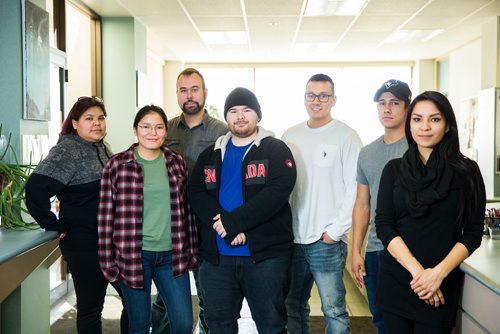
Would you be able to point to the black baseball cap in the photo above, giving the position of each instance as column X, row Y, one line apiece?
column 398, row 88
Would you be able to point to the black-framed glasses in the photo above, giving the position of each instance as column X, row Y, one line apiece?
column 310, row 97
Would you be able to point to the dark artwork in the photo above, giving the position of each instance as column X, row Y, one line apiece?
column 36, row 63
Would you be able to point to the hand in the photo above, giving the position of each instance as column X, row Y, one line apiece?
column 358, row 269
column 240, row 239
column 218, row 227
column 426, row 283
column 62, row 235
column 326, row 239
column 436, row 299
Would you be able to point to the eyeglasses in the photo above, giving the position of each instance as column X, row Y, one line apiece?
column 92, row 98
column 149, row 127
column 193, row 90
column 310, row 97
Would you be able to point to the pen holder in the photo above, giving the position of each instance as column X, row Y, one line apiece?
column 493, row 224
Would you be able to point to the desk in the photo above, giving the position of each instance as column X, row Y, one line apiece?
column 25, row 257
column 480, row 300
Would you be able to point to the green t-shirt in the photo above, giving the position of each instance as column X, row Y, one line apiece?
column 156, row 225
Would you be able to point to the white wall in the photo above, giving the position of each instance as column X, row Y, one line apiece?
column 465, row 73
column 170, row 72
column 155, row 79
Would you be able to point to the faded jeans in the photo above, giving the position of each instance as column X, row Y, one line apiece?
column 324, row 264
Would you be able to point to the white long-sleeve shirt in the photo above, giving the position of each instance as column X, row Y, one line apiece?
column 325, row 190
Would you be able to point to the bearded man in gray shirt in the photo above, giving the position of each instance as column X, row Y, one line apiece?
column 189, row 134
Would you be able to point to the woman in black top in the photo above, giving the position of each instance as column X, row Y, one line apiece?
column 72, row 172
column 430, row 214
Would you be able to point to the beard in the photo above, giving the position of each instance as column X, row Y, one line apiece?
column 244, row 132
column 193, row 110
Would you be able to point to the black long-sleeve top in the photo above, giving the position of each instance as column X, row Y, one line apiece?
column 430, row 238
column 72, row 172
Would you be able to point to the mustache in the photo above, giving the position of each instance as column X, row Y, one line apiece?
column 191, row 101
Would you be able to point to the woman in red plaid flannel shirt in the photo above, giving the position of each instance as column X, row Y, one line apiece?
column 146, row 228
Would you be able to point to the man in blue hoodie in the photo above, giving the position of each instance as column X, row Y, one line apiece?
column 239, row 191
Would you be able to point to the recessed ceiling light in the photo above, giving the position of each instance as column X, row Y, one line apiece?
column 413, row 35
column 432, row 35
column 334, row 7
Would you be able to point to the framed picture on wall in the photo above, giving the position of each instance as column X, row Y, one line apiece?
column 36, row 61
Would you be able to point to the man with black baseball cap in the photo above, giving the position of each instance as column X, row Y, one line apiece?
column 392, row 99
column 399, row 89
column 239, row 192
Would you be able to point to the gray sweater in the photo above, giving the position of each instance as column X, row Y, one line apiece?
column 72, row 172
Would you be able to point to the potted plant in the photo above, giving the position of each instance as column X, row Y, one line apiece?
column 13, row 179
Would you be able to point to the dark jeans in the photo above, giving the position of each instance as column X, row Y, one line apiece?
column 396, row 324
column 264, row 284
column 159, row 316
column 372, row 263
column 90, row 288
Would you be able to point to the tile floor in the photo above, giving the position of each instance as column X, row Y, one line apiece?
column 356, row 306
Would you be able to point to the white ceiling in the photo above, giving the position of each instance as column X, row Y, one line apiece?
column 282, row 30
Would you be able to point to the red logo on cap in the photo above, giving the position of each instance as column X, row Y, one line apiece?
column 289, row 163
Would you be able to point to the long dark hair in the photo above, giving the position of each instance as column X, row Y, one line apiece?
column 449, row 150
column 83, row 104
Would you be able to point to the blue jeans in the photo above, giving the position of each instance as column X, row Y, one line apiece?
column 175, row 292
column 264, row 284
column 324, row 264
column 159, row 316
column 372, row 262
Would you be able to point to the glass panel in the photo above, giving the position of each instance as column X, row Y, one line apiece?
column 78, row 48
column 220, row 81
column 280, row 91
column 52, row 32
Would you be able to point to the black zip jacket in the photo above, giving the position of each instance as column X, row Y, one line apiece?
column 268, row 173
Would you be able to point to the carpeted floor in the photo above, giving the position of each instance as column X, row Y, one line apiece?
column 359, row 325
column 66, row 325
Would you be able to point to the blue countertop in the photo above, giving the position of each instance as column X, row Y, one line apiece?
column 484, row 264
column 15, row 242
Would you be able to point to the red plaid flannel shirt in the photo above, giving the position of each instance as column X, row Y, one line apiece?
column 120, row 218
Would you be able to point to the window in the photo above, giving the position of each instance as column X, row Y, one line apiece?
column 280, row 91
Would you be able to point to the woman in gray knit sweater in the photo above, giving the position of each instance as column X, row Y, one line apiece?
column 72, row 172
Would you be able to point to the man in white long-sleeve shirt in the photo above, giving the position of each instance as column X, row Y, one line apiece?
column 325, row 151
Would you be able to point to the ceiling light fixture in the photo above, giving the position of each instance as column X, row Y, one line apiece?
column 334, row 7
column 432, row 35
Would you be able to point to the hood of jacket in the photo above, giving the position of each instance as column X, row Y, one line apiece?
column 222, row 141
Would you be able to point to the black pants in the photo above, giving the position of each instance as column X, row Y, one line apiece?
column 90, row 288
column 400, row 325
